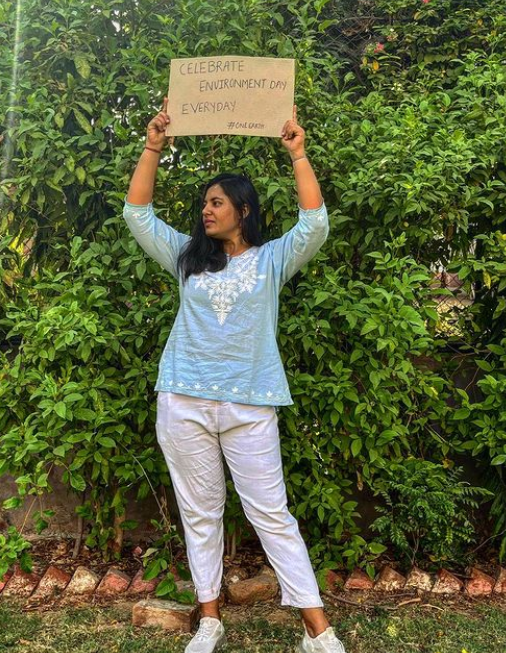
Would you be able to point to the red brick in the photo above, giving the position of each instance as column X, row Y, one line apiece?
column 54, row 581
column 334, row 580
column 263, row 587
column 114, row 582
column 447, row 583
column 140, row 586
column 419, row 580
column 84, row 581
column 500, row 584
column 20, row 584
column 479, row 584
column 389, row 580
column 165, row 614
column 358, row 580
column 235, row 574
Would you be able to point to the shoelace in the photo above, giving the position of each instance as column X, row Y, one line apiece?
column 205, row 630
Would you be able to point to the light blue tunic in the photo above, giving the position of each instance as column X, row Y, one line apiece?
column 223, row 342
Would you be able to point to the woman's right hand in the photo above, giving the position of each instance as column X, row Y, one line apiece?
column 155, row 136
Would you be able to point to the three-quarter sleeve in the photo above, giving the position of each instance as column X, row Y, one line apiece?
column 298, row 246
column 159, row 240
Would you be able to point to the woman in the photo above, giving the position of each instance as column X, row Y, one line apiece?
column 221, row 377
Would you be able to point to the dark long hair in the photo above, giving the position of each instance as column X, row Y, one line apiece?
column 206, row 253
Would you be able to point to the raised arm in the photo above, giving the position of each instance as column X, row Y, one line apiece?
column 143, row 179
column 298, row 246
column 158, row 239
column 308, row 188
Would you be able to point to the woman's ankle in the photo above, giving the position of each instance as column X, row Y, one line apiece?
column 213, row 615
column 315, row 621
column 210, row 609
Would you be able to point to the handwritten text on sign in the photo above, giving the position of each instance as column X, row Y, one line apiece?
column 230, row 95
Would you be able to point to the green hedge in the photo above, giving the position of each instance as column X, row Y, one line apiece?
column 404, row 107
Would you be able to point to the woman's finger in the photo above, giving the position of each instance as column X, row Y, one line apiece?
column 160, row 122
column 165, row 104
column 288, row 128
column 291, row 129
column 294, row 114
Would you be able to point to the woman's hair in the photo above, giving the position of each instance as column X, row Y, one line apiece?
column 206, row 253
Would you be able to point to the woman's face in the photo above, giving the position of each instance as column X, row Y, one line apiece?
column 220, row 217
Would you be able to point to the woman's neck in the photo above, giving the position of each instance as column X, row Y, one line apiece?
column 235, row 247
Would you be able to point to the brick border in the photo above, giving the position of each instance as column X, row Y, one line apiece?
column 84, row 583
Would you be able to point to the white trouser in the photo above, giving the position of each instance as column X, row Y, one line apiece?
column 193, row 433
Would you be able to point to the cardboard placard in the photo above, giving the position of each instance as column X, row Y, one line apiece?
column 252, row 96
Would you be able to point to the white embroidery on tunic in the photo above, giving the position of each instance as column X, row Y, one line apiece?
column 238, row 394
column 320, row 215
column 224, row 287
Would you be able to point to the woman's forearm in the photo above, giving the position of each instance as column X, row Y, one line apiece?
column 308, row 188
column 143, row 180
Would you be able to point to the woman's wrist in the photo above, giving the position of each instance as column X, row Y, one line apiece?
column 297, row 156
column 151, row 148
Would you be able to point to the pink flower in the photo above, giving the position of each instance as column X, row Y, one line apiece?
column 380, row 47
column 425, row 2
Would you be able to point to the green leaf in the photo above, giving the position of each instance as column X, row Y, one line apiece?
column 77, row 482
column 321, row 513
column 376, row 548
column 496, row 349
column 461, row 413
column 356, row 447
column 153, row 570
column 370, row 325
column 73, row 396
column 107, row 442
column 186, row 597
column 12, row 503
column 166, row 586
column 82, row 121
column 85, row 414
column 433, row 314
column 82, row 65
column 356, row 354
column 61, row 409
column 140, row 268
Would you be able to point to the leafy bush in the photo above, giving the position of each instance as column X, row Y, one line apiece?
column 428, row 511
column 14, row 549
column 76, row 393
column 408, row 142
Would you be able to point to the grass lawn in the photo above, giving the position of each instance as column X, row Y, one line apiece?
column 461, row 626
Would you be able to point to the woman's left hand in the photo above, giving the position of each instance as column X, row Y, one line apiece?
column 292, row 136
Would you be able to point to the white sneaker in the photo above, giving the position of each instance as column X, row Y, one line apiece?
column 325, row 642
column 209, row 637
